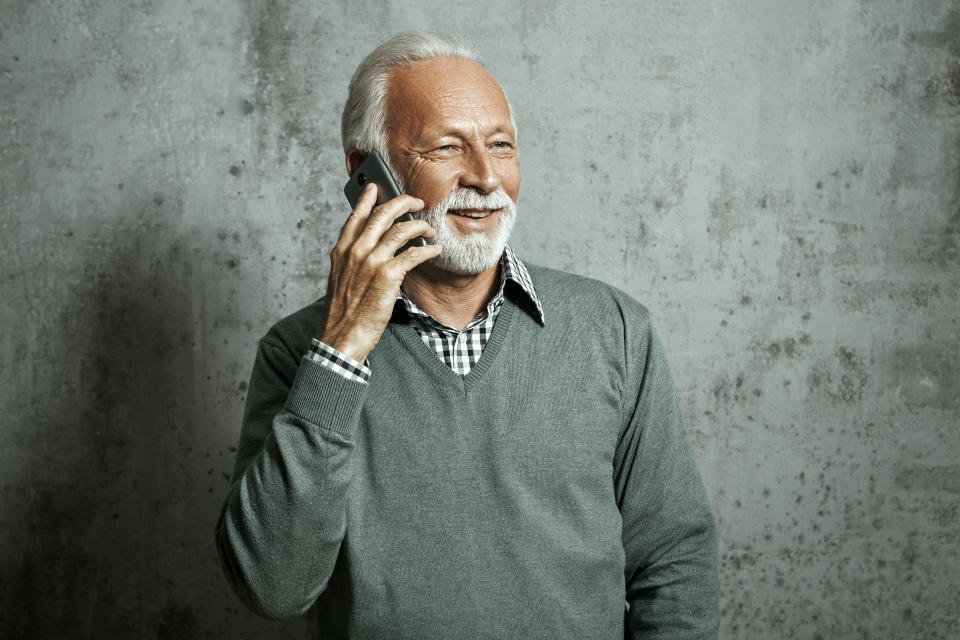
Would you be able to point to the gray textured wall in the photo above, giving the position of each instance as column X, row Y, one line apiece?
column 778, row 181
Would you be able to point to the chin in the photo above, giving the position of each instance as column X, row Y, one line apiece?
column 476, row 252
column 465, row 260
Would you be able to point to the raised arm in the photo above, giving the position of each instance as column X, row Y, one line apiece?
column 283, row 520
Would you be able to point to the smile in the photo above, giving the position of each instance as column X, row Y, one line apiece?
column 473, row 213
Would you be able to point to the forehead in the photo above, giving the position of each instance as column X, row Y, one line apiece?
column 427, row 96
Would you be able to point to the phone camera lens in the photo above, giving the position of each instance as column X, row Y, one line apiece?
column 361, row 179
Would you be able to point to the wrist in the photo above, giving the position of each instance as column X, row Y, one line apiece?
column 344, row 345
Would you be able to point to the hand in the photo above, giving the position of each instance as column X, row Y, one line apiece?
column 365, row 276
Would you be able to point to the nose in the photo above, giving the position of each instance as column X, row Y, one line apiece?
column 480, row 174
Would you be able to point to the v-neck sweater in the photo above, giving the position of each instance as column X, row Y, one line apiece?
column 529, row 498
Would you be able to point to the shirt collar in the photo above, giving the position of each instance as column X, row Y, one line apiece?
column 516, row 271
column 513, row 270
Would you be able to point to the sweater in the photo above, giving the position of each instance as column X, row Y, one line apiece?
column 528, row 499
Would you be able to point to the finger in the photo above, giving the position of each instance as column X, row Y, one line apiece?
column 417, row 255
column 383, row 216
column 357, row 218
column 352, row 228
column 398, row 235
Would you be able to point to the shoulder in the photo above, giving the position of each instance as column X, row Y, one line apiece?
column 567, row 295
column 604, row 323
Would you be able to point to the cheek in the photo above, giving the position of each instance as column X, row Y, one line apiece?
column 432, row 185
column 510, row 177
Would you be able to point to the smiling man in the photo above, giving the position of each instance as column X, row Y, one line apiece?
column 452, row 443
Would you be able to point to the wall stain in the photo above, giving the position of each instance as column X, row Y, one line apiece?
column 943, row 89
column 946, row 516
column 933, row 478
column 789, row 347
column 854, row 376
column 843, row 379
column 925, row 375
column 947, row 37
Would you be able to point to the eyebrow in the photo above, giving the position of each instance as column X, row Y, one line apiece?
column 460, row 132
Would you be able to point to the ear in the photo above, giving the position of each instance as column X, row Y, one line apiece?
column 354, row 158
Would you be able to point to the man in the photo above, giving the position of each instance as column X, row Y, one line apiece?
column 450, row 443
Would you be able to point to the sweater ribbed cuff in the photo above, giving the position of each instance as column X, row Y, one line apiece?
column 325, row 398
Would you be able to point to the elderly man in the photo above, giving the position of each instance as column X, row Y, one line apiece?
column 451, row 443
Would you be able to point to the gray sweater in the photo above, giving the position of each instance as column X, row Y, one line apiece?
column 527, row 499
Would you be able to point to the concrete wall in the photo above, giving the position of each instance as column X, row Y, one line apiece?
column 778, row 181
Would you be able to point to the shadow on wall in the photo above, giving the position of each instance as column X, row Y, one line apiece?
column 113, row 535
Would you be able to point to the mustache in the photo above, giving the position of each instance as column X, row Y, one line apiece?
column 466, row 198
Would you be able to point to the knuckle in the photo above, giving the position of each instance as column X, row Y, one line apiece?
column 412, row 254
column 404, row 226
column 355, row 253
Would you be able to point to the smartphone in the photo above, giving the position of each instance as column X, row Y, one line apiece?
column 374, row 169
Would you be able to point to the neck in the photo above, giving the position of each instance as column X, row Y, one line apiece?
column 452, row 299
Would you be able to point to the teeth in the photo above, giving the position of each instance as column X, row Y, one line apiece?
column 472, row 214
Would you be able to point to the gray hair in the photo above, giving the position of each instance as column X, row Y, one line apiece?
column 364, row 114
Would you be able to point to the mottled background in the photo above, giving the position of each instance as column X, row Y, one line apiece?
column 778, row 181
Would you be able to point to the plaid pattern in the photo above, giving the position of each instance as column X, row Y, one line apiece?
column 459, row 350
column 514, row 270
column 339, row 362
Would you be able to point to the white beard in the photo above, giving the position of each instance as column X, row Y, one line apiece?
column 475, row 252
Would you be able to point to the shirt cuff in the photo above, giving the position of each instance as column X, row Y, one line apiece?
column 341, row 363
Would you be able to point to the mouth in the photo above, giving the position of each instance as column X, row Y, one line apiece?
column 475, row 214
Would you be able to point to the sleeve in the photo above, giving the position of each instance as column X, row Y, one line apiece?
column 283, row 520
column 338, row 361
column 669, row 532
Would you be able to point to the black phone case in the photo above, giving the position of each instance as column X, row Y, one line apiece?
column 374, row 169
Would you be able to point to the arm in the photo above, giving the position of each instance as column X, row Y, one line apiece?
column 669, row 533
column 281, row 526
column 283, row 520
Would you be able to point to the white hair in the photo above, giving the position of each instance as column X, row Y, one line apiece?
column 365, row 112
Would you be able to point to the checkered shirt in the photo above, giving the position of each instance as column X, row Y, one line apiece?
column 459, row 350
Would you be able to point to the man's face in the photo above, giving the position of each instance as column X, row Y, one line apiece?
column 452, row 145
